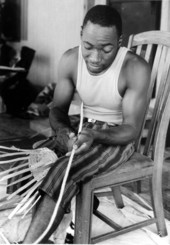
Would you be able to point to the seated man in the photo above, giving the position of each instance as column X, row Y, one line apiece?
column 112, row 83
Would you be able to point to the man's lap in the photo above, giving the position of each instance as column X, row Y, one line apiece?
column 98, row 159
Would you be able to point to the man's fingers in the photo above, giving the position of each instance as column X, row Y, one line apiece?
column 80, row 149
column 77, row 149
column 71, row 135
column 68, row 154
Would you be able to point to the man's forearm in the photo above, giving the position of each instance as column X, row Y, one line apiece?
column 61, row 127
column 119, row 135
column 59, row 120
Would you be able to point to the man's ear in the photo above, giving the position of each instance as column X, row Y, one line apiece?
column 120, row 40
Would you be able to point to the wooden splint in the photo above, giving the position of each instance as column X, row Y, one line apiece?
column 32, row 166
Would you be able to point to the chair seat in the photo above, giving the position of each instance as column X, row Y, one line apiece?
column 136, row 162
column 138, row 167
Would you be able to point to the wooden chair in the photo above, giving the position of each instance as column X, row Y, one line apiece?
column 147, row 160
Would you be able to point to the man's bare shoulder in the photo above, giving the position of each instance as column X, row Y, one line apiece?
column 71, row 55
column 137, row 70
column 136, row 61
column 68, row 63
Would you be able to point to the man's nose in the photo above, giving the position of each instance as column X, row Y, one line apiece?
column 95, row 56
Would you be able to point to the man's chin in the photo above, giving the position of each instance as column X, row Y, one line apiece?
column 94, row 70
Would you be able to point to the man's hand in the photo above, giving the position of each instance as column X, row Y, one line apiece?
column 83, row 142
column 64, row 140
column 71, row 141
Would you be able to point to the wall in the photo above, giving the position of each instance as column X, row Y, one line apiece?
column 52, row 27
column 165, row 15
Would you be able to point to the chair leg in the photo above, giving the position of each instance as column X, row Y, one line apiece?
column 158, row 206
column 117, row 196
column 83, row 218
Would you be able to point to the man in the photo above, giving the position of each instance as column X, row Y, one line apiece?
column 112, row 83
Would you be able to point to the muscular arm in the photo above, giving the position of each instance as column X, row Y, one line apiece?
column 63, row 94
column 137, row 75
column 133, row 105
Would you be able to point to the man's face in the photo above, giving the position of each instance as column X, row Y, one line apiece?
column 99, row 47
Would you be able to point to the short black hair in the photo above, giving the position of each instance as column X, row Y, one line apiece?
column 104, row 16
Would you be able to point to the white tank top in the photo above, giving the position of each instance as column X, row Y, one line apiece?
column 100, row 94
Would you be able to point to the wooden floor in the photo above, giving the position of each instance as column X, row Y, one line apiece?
column 12, row 127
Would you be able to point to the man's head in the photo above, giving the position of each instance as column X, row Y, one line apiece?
column 100, row 38
column 105, row 16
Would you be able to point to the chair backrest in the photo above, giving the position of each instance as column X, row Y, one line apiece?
column 154, row 47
